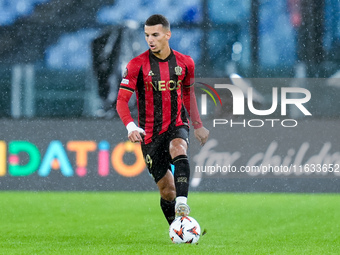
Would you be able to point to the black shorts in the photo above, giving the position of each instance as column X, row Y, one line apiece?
column 157, row 155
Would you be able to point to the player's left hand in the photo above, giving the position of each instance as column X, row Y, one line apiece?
column 202, row 135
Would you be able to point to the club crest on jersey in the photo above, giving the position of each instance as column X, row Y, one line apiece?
column 178, row 70
column 151, row 73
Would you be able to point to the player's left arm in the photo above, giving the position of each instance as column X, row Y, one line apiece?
column 190, row 103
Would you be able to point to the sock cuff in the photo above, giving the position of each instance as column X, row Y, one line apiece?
column 181, row 200
column 179, row 157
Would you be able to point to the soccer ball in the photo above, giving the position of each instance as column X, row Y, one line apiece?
column 184, row 230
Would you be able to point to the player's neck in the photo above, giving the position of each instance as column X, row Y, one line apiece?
column 163, row 54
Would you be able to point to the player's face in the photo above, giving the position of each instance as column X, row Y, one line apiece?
column 157, row 38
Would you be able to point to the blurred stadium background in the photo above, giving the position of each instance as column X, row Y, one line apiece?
column 49, row 66
column 61, row 62
column 60, row 67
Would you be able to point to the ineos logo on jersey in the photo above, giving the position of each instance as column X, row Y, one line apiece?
column 163, row 85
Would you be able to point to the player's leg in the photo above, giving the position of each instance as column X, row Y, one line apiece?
column 167, row 191
column 158, row 160
column 178, row 152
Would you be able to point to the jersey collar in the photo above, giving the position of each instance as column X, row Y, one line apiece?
column 162, row 60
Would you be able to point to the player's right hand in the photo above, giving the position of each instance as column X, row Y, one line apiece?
column 201, row 135
column 135, row 133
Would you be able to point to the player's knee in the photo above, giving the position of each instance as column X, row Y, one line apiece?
column 178, row 147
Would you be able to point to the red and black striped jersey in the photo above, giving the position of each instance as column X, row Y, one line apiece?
column 159, row 86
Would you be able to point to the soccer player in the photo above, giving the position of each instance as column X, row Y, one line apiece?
column 163, row 80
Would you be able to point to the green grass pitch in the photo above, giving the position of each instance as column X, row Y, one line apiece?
column 132, row 223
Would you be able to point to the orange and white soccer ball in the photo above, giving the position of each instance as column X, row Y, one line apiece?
column 184, row 230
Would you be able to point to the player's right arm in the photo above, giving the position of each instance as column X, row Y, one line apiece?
column 190, row 103
column 126, row 89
